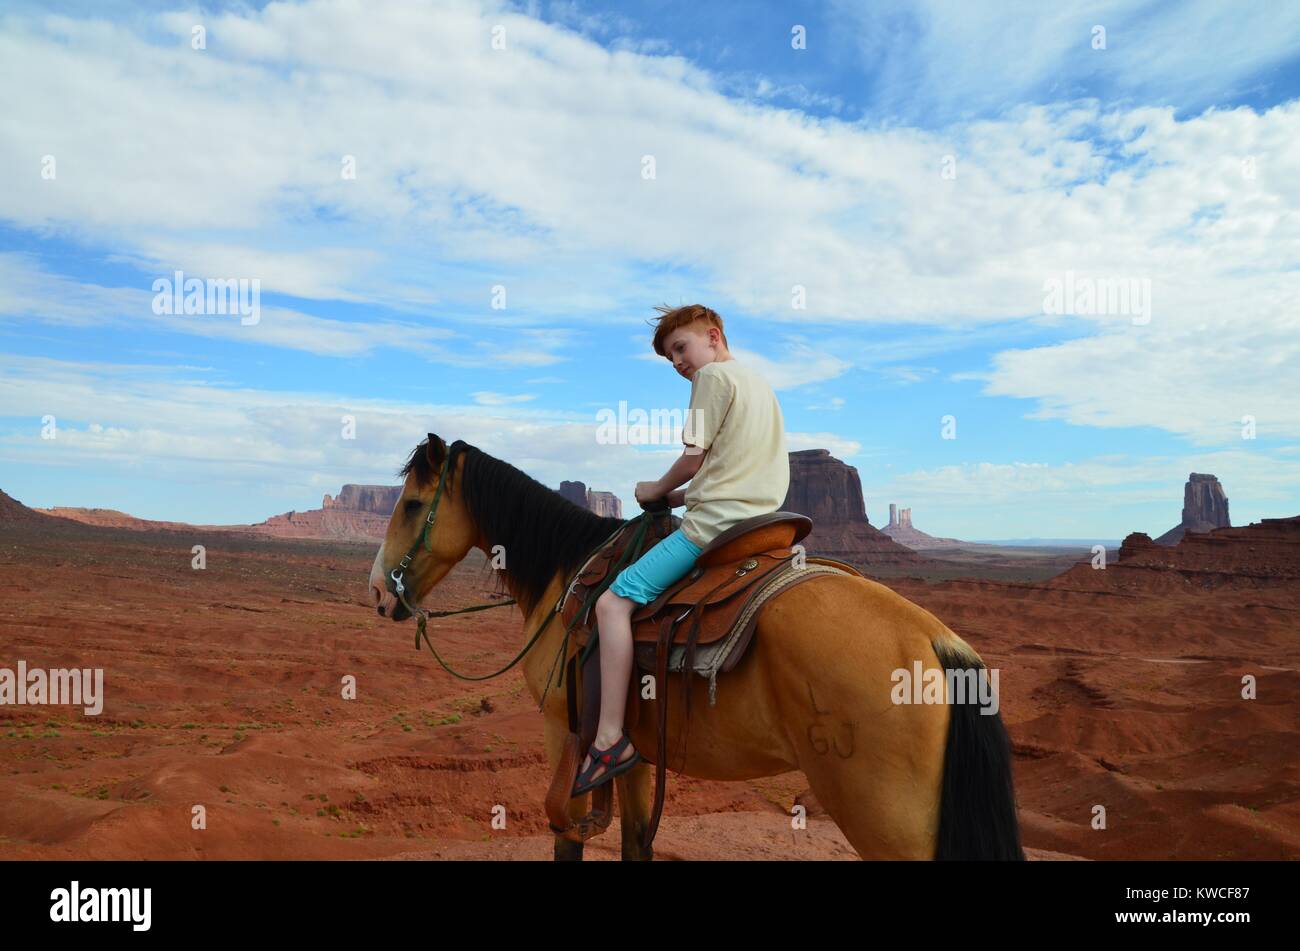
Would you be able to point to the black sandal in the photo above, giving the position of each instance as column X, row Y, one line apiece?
column 599, row 757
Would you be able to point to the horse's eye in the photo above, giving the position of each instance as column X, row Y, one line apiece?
column 412, row 506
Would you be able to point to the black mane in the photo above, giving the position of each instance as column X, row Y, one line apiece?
column 541, row 531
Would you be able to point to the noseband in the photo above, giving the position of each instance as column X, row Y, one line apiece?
column 394, row 581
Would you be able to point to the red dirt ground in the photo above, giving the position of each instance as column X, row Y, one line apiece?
column 223, row 690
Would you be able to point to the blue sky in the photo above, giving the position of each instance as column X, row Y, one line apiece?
column 922, row 172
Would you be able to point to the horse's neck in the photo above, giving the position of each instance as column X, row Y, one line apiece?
column 545, row 607
column 542, row 654
column 540, row 663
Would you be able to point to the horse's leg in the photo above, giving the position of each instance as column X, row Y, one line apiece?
column 635, row 800
column 875, row 766
column 556, row 731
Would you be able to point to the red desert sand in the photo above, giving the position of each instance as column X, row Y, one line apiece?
column 223, row 689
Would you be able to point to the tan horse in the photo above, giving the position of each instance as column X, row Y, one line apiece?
column 819, row 692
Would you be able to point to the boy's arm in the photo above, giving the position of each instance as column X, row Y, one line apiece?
column 683, row 470
column 711, row 395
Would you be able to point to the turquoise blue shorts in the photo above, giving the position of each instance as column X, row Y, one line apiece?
column 653, row 572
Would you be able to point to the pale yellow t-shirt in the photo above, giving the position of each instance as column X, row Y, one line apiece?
column 735, row 416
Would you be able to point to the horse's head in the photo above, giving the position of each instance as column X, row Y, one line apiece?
column 429, row 531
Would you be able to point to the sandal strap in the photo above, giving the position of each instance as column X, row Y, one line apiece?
column 613, row 754
column 610, row 772
column 607, row 758
column 596, row 752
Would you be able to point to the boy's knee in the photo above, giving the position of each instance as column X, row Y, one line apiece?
column 609, row 601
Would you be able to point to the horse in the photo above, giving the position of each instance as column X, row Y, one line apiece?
column 818, row 692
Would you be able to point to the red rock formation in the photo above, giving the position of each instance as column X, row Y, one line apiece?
column 1205, row 508
column 575, row 492
column 1269, row 548
column 335, row 522
column 824, row 488
column 602, row 503
column 13, row 512
column 1260, row 555
column 900, row 530
column 112, row 518
column 1135, row 544
column 376, row 499
column 357, row 513
column 830, row 493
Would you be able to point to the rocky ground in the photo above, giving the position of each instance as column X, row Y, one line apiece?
column 1121, row 688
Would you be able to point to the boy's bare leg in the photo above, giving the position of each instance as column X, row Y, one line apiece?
column 614, row 621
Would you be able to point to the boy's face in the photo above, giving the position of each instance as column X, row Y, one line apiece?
column 691, row 347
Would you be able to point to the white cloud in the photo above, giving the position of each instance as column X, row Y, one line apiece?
column 29, row 293
column 834, row 404
column 1197, row 379
column 908, row 374
column 322, row 273
column 487, row 398
column 230, row 158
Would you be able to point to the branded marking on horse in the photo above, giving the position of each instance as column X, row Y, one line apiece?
column 819, row 743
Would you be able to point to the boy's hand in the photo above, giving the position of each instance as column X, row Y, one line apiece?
column 648, row 492
column 676, row 498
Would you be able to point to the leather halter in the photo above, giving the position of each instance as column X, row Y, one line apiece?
column 394, row 580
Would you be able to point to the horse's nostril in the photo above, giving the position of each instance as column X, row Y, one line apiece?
column 380, row 609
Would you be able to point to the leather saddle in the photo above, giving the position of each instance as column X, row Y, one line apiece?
column 728, row 566
column 716, row 601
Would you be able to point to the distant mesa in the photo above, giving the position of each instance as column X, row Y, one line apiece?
column 829, row 491
column 824, row 488
column 1205, row 508
column 375, row 499
column 357, row 513
column 112, row 518
column 900, row 530
column 13, row 512
column 606, row 504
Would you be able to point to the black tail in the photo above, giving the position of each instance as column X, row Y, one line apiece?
column 977, row 812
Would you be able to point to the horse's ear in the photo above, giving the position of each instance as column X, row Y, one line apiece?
column 436, row 451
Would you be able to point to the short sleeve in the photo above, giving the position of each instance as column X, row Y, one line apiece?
column 711, row 396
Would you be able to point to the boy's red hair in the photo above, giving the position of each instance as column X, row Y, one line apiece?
column 675, row 317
